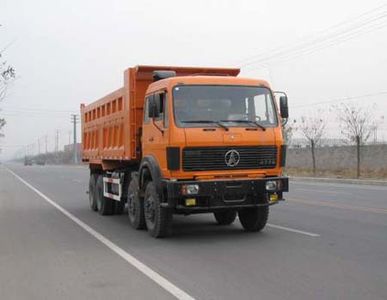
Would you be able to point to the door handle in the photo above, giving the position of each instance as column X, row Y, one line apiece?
column 151, row 139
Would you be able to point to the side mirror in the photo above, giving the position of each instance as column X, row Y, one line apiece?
column 284, row 110
column 153, row 109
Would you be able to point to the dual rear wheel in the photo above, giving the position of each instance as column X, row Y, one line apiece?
column 98, row 202
column 92, row 189
column 135, row 206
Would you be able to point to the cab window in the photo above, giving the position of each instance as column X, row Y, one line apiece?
column 162, row 107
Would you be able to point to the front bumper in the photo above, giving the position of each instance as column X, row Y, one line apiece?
column 223, row 194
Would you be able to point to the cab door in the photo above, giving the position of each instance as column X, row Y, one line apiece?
column 155, row 128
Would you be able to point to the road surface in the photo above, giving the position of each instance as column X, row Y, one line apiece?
column 327, row 241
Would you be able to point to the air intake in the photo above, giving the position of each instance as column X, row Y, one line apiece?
column 158, row 75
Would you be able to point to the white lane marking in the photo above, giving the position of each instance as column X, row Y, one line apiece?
column 156, row 277
column 293, row 230
column 321, row 191
column 330, row 203
column 342, row 185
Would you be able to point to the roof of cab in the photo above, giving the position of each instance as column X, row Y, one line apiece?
column 206, row 80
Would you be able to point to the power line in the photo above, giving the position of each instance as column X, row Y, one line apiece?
column 341, row 99
column 290, row 54
column 325, row 38
column 11, row 146
column 322, row 36
column 39, row 109
column 44, row 111
column 333, row 42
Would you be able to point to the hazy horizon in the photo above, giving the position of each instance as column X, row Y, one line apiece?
column 68, row 52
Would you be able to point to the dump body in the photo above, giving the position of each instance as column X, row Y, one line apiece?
column 111, row 126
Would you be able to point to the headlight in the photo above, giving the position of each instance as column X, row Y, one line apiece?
column 271, row 185
column 190, row 189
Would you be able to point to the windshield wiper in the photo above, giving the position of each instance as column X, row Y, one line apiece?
column 208, row 121
column 246, row 121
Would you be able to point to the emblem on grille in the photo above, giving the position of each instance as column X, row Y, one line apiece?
column 232, row 158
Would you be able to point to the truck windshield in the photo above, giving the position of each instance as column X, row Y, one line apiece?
column 233, row 106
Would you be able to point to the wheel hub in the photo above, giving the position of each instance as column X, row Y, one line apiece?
column 150, row 209
column 131, row 205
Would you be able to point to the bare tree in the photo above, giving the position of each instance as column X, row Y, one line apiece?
column 7, row 75
column 287, row 132
column 356, row 126
column 2, row 124
column 312, row 128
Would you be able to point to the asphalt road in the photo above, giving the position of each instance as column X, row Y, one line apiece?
column 327, row 241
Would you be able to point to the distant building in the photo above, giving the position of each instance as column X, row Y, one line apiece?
column 70, row 147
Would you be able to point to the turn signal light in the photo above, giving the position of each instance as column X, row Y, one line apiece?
column 273, row 197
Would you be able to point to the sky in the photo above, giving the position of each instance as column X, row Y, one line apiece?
column 71, row 52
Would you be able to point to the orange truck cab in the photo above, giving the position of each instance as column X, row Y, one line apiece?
column 185, row 140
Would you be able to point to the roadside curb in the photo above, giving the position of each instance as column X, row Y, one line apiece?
column 340, row 180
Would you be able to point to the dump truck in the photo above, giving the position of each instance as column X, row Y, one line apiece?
column 186, row 140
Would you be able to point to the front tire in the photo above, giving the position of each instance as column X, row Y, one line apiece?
column 158, row 219
column 254, row 219
column 135, row 206
column 225, row 217
column 105, row 205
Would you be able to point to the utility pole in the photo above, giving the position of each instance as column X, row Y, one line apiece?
column 375, row 134
column 45, row 140
column 74, row 120
column 38, row 145
column 57, row 141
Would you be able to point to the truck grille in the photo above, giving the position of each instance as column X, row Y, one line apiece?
column 219, row 158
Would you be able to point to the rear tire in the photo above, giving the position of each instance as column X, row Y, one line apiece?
column 158, row 219
column 254, row 219
column 225, row 217
column 119, row 207
column 105, row 205
column 92, row 192
column 135, row 206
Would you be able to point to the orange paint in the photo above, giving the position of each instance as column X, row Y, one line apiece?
column 113, row 126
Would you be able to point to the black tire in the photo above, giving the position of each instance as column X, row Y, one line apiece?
column 105, row 205
column 119, row 207
column 135, row 206
column 92, row 193
column 225, row 217
column 254, row 219
column 158, row 219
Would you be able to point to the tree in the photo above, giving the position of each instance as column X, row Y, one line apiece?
column 287, row 131
column 356, row 126
column 312, row 128
column 7, row 75
column 2, row 124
